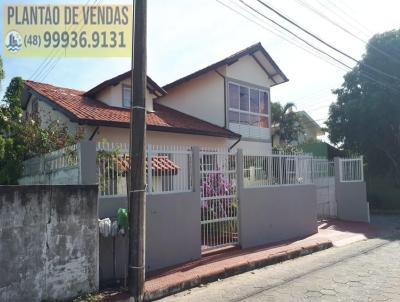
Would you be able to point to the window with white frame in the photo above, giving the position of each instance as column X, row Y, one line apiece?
column 126, row 96
column 248, row 110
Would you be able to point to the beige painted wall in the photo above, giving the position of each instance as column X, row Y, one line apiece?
column 163, row 138
column 112, row 95
column 248, row 70
column 250, row 147
column 118, row 135
column 202, row 97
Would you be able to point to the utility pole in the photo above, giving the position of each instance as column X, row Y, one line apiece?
column 137, row 187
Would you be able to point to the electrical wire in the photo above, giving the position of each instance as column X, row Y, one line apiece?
column 326, row 43
column 327, row 18
column 361, row 27
column 362, row 74
column 39, row 74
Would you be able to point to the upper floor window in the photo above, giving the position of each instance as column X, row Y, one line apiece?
column 248, row 106
column 126, row 96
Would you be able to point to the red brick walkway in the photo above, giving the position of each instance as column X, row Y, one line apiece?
column 216, row 266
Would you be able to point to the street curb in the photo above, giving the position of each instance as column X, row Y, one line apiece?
column 235, row 270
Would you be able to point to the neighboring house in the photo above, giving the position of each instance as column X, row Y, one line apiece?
column 311, row 131
column 223, row 105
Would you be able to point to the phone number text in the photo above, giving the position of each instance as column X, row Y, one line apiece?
column 74, row 39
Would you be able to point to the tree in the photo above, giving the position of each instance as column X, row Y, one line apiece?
column 22, row 138
column 365, row 118
column 285, row 122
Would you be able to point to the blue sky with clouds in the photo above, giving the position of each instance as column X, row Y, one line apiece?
column 186, row 35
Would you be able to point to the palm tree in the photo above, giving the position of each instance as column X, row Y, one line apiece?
column 285, row 122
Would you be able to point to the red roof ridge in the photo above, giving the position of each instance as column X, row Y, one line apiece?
column 30, row 83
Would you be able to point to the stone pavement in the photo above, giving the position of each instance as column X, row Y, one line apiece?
column 367, row 270
column 219, row 266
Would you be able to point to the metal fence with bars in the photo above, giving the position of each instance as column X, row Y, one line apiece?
column 171, row 169
column 351, row 169
column 322, row 168
column 276, row 170
column 57, row 167
column 219, row 202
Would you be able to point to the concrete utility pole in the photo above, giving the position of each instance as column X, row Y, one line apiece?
column 137, row 188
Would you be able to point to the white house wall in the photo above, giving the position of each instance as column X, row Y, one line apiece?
column 251, row 147
column 202, row 97
column 246, row 69
column 121, row 135
column 112, row 95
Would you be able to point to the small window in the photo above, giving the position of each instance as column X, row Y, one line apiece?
column 234, row 116
column 244, row 118
column 254, row 101
column 254, row 120
column 244, row 98
column 263, row 122
column 233, row 96
column 126, row 96
column 264, row 102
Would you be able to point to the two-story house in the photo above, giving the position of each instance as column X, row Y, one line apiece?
column 224, row 105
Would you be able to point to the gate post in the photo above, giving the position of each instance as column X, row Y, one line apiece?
column 239, row 188
column 87, row 163
column 196, row 178
column 196, row 170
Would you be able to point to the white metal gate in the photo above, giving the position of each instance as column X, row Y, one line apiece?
column 219, row 203
column 324, row 180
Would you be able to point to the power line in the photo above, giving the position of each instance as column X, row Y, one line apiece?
column 276, row 32
column 327, row 18
column 326, row 43
column 385, row 85
column 295, row 35
column 39, row 74
column 280, row 33
column 365, row 75
column 361, row 28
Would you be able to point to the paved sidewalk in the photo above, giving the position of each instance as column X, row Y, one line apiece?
column 218, row 266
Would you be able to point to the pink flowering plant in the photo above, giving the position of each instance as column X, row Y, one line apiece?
column 221, row 204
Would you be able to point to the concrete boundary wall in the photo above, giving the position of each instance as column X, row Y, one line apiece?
column 351, row 198
column 274, row 214
column 48, row 242
column 172, row 234
column 173, row 231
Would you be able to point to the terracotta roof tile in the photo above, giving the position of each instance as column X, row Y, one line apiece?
column 86, row 110
column 159, row 164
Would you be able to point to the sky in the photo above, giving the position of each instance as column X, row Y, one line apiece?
column 186, row 35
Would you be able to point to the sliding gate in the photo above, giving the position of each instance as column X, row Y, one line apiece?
column 219, row 203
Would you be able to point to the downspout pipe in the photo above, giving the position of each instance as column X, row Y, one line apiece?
column 235, row 143
column 225, row 105
column 94, row 133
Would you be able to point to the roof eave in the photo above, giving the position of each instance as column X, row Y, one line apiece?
column 126, row 125
column 230, row 60
column 151, row 85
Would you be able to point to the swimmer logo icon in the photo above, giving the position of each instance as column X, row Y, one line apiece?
column 13, row 41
